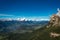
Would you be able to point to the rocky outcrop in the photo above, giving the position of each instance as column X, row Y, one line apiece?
column 52, row 34
column 54, row 25
column 54, row 20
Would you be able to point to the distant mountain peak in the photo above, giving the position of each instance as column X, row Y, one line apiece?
column 23, row 19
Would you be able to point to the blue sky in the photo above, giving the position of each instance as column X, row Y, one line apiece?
column 28, row 8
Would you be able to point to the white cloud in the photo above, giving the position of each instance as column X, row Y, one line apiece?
column 5, row 15
column 44, row 19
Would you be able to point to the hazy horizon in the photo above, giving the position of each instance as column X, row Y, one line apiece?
column 34, row 9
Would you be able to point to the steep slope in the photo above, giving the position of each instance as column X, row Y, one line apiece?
column 40, row 34
column 49, row 32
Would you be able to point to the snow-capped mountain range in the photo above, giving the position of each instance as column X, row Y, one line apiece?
column 22, row 19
